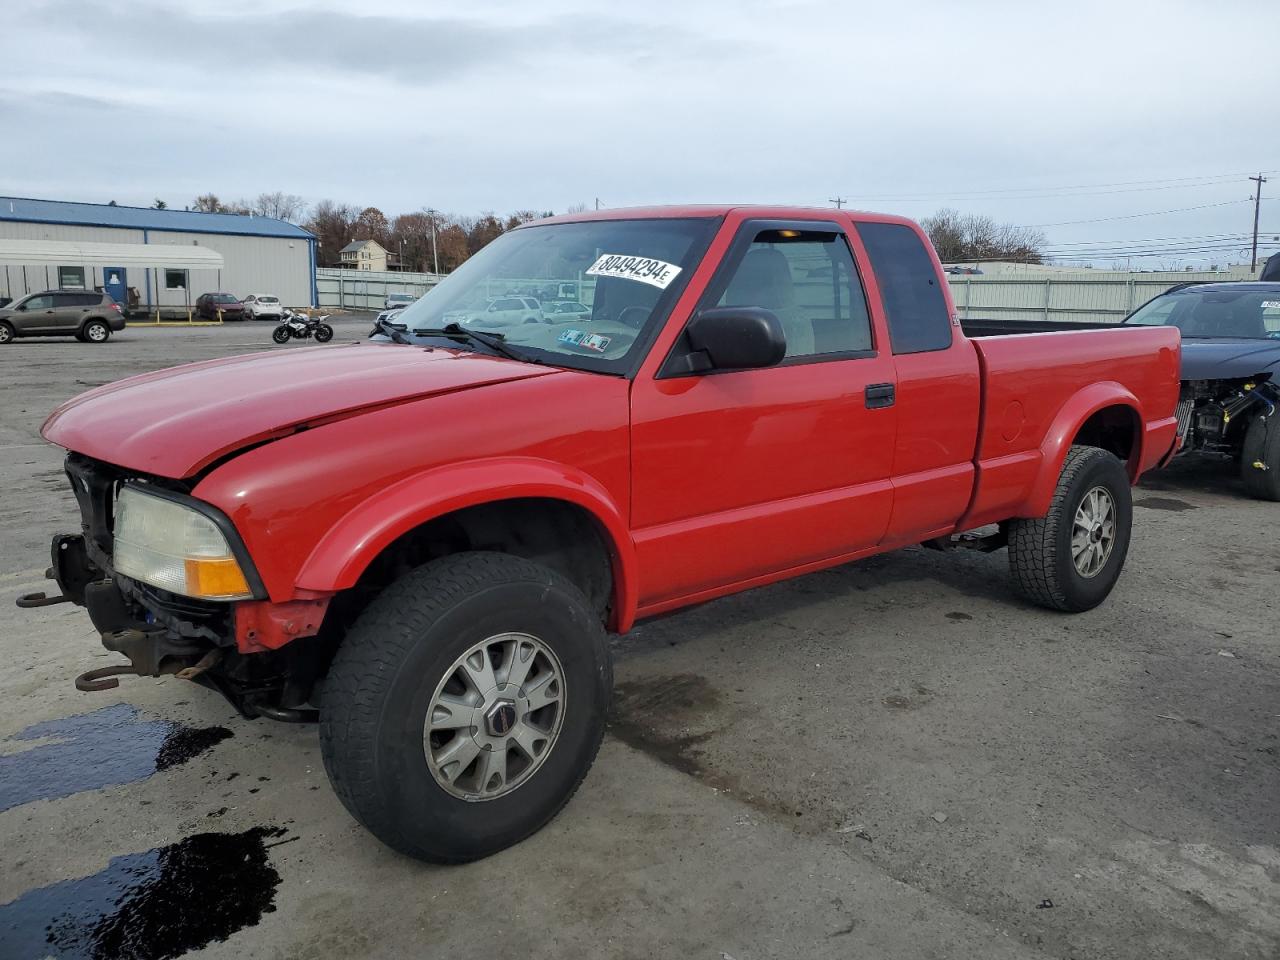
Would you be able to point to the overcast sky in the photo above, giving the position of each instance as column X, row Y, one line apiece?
column 541, row 104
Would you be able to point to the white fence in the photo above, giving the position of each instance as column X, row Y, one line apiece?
column 367, row 289
column 1099, row 297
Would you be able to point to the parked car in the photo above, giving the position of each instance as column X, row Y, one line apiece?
column 209, row 306
column 395, row 300
column 258, row 306
column 565, row 311
column 1230, row 365
column 500, row 312
column 424, row 548
column 87, row 316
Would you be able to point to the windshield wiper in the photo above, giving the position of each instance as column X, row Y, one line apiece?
column 492, row 340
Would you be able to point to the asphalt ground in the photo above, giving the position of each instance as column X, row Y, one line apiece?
column 896, row 758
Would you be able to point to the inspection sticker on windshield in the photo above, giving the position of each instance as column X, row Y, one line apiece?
column 587, row 341
column 656, row 273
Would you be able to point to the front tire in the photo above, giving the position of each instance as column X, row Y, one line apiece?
column 465, row 706
column 1260, row 459
column 280, row 334
column 6, row 332
column 95, row 331
column 1070, row 558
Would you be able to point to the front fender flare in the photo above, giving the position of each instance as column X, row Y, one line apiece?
column 348, row 548
column 1062, row 431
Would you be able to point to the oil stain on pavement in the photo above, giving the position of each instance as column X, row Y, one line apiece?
column 104, row 748
column 153, row 905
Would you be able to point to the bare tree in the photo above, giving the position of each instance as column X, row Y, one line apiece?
column 280, row 206
column 208, row 203
column 959, row 237
column 333, row 225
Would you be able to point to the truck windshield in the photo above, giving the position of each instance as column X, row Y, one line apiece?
column 1234, row 314
column 624, row 274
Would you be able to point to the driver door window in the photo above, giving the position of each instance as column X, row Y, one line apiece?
column 809, row 280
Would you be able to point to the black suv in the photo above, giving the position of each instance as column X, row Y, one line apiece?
column 89, row 317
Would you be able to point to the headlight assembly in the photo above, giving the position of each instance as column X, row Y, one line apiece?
column 176, row 547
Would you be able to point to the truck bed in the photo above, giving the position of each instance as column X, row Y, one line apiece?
column 981, row 327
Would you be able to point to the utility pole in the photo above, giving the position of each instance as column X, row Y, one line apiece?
column 1257, row 204
column 435, row 254
column 839, row 202
column 597, row 203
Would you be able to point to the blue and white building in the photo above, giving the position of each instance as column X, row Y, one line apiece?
column 251, row 254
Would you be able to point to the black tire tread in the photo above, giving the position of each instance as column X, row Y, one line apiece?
column 361, row 671
column 1261, row 445
column 1031, row 542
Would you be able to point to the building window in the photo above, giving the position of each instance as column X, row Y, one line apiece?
column 71, row 277
column 175, row 279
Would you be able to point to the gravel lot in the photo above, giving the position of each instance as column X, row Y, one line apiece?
column 895, row 758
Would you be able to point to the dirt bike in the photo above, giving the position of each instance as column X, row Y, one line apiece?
column 301, row 327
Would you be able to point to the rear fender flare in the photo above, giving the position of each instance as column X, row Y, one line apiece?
column 344, row 552
column 1062, row 431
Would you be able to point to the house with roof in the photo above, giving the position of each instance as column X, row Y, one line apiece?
column 52, row 244
column 363, row 255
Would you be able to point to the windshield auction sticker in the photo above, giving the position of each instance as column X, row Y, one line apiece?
column 656, row 273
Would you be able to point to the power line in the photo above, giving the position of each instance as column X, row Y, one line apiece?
column 1035, row 193
column 1138, row 216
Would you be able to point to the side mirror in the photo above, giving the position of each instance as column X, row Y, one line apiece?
column 734, row 338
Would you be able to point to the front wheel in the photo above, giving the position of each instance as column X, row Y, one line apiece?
column 324, row 333
column 6, row 332
column 1260, row 459
column 1070, row 558
column 465, row 705
column 280, row 334
column 95, row 331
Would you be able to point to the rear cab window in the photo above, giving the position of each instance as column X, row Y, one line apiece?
column 910, row 291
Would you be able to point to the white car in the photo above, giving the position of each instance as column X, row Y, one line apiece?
column 566, row 310
column 259, row 306
column 508, row 311
column 395, row 300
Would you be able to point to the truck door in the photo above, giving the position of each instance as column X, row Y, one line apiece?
column 737, row 475
column 938, row 383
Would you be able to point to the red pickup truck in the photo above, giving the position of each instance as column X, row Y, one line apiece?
column 421, row 542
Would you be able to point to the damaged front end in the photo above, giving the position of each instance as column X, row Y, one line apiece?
column 264, row 657
column 1213, row 415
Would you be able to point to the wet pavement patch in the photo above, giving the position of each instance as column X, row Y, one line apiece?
column 152, row 905
column 89, row 751
column 645, row 711
column 1164, row 503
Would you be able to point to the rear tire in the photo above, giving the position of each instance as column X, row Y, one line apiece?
column 324, row 333
column 1070, row 558
column 280, row 334
column 1260, row 459
column 95, row 331
column 393, row 672
column 6, row 332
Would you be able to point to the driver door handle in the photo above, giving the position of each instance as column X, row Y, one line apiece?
column 879, row 395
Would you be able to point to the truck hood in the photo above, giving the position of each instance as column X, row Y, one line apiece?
column 175, row 422
column 1222, row 359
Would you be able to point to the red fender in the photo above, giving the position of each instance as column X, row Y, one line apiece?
column 352, row 543
column 1065, row 426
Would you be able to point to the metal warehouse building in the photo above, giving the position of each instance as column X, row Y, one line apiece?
column 253, row 254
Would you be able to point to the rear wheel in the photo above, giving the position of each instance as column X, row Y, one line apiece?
column 6, row 332
column 1070, row 558
column 324, row 333
column 95, row 331
column 1260, row 459
column 466, row 705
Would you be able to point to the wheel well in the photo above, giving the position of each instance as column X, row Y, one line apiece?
column 558, row 534
column 1113, row 428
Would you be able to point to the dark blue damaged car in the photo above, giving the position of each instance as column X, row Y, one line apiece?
column 1230, row 373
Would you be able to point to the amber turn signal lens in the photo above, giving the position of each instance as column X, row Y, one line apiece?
column 215, row 578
